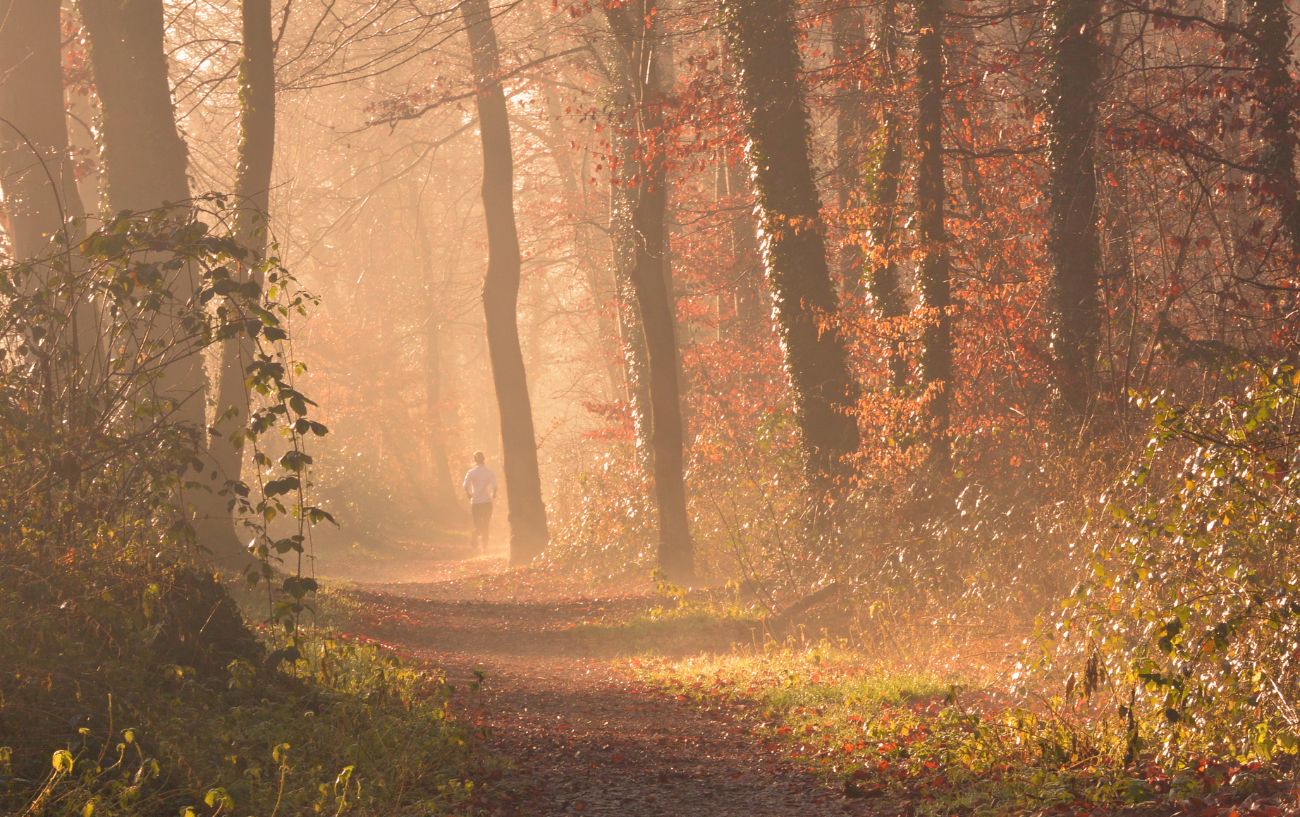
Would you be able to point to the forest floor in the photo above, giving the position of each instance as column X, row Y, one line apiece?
column 553, row 690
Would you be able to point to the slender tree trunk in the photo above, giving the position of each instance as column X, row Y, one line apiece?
column 41, row 199
column 40, row 191
column 442, row 491
column 747, row 291
column 853, row 128
column 1268, row 26
column 751, row 303
column 528, row 530
column 931, row 192
column 1073, row 243
column 598, row 276
column 883, row 279
column 765, row 47
column 253, row 204
column 635, row 34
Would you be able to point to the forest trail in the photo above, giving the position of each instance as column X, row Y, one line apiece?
column 582, row 737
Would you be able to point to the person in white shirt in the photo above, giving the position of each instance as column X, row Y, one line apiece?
column 480, row 486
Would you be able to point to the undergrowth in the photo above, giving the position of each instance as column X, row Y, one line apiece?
column 930, row 743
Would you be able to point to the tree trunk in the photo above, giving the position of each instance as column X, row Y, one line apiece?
column 644, row 182
column 442, row 490
column 528, row 532
column 36, row 168
column 636, row 364
column 1268, row 27
column 598, row 277
column 144, row 158
column 749, row 298
column 883, row 283
column 935, row 268
column 253, row 203
column 1073, row 242
column 852, row 130
column 36, row 173
column 764, row 44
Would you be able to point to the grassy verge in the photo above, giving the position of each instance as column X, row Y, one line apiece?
column 943, row 744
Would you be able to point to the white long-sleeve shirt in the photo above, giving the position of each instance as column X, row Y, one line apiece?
column 480, row 484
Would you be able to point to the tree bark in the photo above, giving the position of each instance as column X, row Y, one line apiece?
column 143, row 156
column 253, row 203
column 636, row 362
column 1268, row 26
column 36, row 172
column 528, row 530
column 1073, row 241
column 883, row 283
column 764, row 44
column 145, row 164
column 41, row 199
column 935, row 267
column 853, row 128
column 644, row 182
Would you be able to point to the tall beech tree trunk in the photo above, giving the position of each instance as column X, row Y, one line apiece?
column 931, row 191
column 853, row 128
column 528, row 532
column 253, row 203
column 1269, row 29
column 144, row 158
column 1073, row 241
column 643, row 181
column 765, row 47
column 883, row 283
column 145, row 165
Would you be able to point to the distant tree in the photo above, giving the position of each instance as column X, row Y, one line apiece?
column 764, row 45
column 41, row 199
column 36, row 169
column 528, row 530
column 1073, row 241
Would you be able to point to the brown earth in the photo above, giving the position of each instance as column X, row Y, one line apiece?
column 559, row 704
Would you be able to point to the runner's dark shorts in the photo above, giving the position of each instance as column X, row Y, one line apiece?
column 482, row 513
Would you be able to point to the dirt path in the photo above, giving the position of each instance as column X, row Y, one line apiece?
column 581, row 736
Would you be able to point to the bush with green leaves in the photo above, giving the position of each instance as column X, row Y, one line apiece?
column 1188, row 620
column 130, row 682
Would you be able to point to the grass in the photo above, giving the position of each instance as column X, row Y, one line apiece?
column 678, row 622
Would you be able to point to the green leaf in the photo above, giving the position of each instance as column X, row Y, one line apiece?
column 62, row 761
